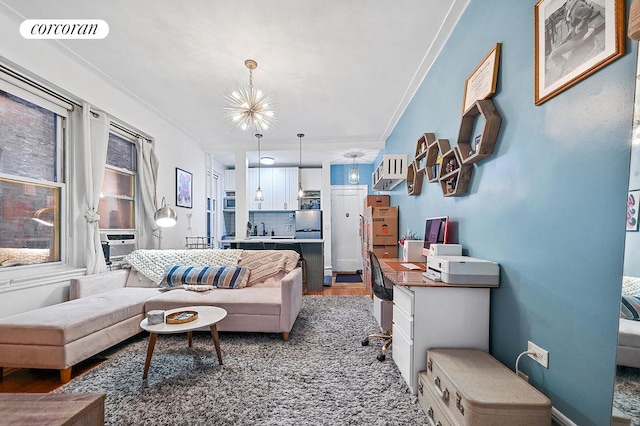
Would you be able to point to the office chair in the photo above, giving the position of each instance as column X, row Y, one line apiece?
column 383, row 289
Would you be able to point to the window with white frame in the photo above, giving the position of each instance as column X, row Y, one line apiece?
column 117, row 207
column 31, row 178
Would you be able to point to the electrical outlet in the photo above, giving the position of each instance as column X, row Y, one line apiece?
column 540, row 355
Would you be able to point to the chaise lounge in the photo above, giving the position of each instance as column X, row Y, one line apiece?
column 628, row 354
column 107, row 308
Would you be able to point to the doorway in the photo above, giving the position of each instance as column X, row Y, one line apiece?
column 346, row 211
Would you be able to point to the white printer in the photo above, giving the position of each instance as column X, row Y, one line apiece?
column 462, row 270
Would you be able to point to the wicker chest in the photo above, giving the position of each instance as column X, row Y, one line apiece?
column 470, row 387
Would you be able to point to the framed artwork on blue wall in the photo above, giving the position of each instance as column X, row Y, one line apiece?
column 184, row 188
column 574, row 39
column 632, row 210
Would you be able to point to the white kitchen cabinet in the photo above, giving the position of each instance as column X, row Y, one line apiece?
column 229, row 180
column 436, row 317
column 311, row 179
column 279, row 187
column 285, row 188
column 266, row 179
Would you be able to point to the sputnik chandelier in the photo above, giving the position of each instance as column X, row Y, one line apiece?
column 250, row 108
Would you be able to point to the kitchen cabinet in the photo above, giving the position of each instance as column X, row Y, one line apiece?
column 279, row 187
column 311, row 179
column 229, row 180
column 265, row 184
column 285, row 188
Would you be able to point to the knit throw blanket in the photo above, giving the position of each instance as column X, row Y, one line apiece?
column 153, row 263
column 266, row 263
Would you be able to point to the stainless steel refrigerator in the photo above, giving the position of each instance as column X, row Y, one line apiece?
column 309, row 224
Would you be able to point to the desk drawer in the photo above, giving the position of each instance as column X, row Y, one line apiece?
column 403, row 356
column 403, row 321
column 403, row 299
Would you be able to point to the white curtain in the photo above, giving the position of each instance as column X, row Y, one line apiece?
column 96, row 140
column 77, row 235
column 149, row 234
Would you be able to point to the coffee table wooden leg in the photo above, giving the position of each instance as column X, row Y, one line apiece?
column 216, row 342
column 190, row 336
column 152, row 344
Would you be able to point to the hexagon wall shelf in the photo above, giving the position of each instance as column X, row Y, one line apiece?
column 484, row 147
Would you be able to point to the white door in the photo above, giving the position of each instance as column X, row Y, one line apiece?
column 346, row 209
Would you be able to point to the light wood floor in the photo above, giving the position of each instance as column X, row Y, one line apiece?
column 43, row 381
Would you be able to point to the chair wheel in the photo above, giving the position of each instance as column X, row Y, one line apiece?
column 365, row 342
column 381, row 357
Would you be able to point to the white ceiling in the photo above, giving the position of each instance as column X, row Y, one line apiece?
column 342, row 71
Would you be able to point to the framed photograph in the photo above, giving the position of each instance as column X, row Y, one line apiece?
column 574, row 39
column 632, row 210
column 481, row 84
column 184, row 188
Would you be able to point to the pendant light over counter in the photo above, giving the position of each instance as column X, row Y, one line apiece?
column 300, row 191
column 259, row 195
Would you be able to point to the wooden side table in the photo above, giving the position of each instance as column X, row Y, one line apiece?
column 76, row 409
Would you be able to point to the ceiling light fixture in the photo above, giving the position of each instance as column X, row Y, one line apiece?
column 354, row 172
column 267, row 161
column 250, row 108
column 300, row 191
column 259, row 195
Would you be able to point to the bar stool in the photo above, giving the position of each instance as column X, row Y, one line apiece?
column 302, row 263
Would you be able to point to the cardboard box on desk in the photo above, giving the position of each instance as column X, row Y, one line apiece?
column 385, row 231
column 377, row 201
column 391, row 211
column 384, row 252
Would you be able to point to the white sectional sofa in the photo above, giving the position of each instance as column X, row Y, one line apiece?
column 628, row 354
column 107, row 308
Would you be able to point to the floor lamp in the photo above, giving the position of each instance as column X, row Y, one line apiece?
column 165, row 217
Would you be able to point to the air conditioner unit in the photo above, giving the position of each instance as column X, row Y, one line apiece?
column 119, row 245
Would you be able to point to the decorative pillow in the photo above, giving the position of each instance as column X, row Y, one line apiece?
column 217, row 276
column 630, row 307
column 630, row 286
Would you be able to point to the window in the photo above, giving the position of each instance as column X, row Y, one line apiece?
column 117, row 199
column 31, row 187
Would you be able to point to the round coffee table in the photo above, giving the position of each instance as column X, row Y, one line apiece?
column 207, row 316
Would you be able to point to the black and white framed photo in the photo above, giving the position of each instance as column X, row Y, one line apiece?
column 184, row 188
column 574, row 39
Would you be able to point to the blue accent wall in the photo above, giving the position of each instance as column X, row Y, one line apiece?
column 340, row 174
column 549, row 205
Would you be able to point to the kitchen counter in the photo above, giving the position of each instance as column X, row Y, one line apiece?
column 312, row 252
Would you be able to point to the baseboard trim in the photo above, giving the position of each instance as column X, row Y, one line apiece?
column 560, row 418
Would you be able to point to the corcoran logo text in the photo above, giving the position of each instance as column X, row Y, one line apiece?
column 64, row 28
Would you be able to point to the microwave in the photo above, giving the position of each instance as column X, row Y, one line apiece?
column 229, row 203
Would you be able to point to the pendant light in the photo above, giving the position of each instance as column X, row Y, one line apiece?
column 300, row 191
column 354, row 173
column 259, row 195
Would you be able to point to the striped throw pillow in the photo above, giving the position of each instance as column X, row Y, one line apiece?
column 630, row 307
column 217, row 276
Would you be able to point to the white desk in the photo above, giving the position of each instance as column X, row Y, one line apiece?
column 429, row 314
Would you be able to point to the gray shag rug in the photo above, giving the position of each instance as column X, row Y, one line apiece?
column 322, row 375
column 626, row 397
